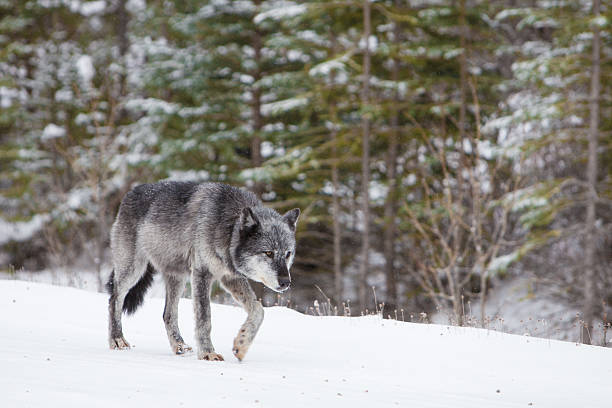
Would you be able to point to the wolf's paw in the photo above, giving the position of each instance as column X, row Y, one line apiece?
column 211, row 357
column 181, row 348
column 241, row 344
column 119, row 343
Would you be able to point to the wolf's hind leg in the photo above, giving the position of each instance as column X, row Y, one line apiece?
column 201, row 283
column 242, row 292
column 115, row 308
column 175, row 284
column 123, row 280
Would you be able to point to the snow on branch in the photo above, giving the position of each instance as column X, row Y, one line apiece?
column 285, row 105
column 152, row 106
column 530, row 197
column 512, row 12
column 284, row 10
column 324, row 68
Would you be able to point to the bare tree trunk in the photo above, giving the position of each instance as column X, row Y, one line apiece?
column 462, row 70
column 103, row 230
column 483, row 296
column 257, row 120
column 256, row 159
column 365, row 160
column 124, row 43
column 104, row 140
column 458, row 309
column 590, row 284
column 456, row 292
column 458, row 296
column 338, row 283
column 390, row 202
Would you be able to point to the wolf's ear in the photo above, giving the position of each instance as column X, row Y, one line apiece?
column 248, row 219
column 291, row 217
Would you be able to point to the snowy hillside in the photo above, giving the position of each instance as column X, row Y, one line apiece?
column 53, row 352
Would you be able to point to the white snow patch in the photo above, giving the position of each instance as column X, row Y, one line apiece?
column 452, row 53
column 189, row 175
column 267, row 149
column 280, row 13
column 312, row 36
column 64, row 95
column 78, row 198
column 81, row 119
column 409, row 180
column 85, row 68
column 54, row 353
column 194, row 111
column 600, row 21
column 504, row 14
column 6, row 96
column 274, row 108
column 434, row 12
column 372, row 43
column 522, row 305
column 525, row 198
column 21, row 230
column 378, row 191
column 501, row 263
column 152, row 106
column 92, row 7
column 52, row 131
column 326, row 67
column 134, row 6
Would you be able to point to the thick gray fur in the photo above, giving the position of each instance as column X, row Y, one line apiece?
column 209, row 230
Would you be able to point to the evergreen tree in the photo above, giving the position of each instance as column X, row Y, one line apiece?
column 557, row 103
column 457, row 233
column 470, row 136
column 53, row 123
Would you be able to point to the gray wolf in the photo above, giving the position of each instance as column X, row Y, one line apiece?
column 209, row 231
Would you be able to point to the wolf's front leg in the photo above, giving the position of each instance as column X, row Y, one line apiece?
column 242, row 292
column 201, row 282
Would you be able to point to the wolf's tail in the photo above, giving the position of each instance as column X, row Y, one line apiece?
column 135, row 296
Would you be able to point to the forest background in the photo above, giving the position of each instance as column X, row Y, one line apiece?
column 446, row 154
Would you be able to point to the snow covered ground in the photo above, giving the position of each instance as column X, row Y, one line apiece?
column 527, row 307
column 53, row 352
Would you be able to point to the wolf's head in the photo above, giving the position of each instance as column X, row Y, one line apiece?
column 265, row 246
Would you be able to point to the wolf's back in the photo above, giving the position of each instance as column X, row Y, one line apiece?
column 158, row 201
column 138, row 201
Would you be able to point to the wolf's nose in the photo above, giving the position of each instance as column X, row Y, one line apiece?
column 284, row 283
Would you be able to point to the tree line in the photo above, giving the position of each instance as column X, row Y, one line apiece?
column 436, row 147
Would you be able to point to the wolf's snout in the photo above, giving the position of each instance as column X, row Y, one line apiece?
column 284, row 283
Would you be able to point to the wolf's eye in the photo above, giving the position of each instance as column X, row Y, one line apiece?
column 288, row 254
column 269, row 254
